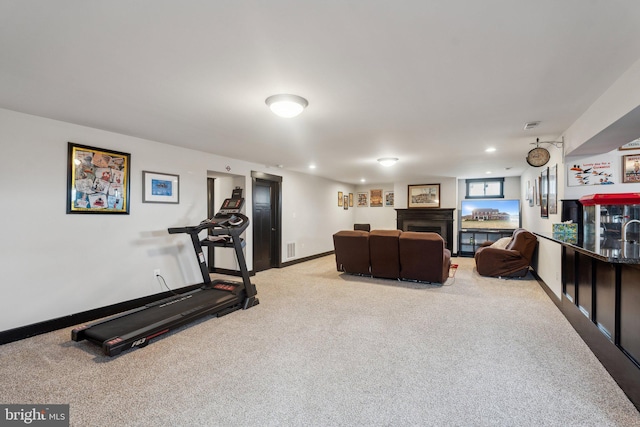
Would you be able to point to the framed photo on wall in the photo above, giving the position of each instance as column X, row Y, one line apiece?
column 553, row 190
column 350, row 200
column 97, row 180
column 345, row 202
column 340, row 198
column 363, row 200
column 389, row 199
column 423, row 196
column 631, row 168
column 160, row 187
column 376, row 199
column 544, row 193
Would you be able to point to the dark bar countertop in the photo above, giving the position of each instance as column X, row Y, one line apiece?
column 607, row 250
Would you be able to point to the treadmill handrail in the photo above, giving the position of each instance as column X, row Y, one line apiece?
column 214, row 227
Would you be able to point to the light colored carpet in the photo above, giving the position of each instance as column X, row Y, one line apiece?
column 328, row 349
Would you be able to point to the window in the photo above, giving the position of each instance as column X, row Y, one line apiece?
column 490, row 188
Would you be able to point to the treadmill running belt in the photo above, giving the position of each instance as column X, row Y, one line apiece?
column 157, row 313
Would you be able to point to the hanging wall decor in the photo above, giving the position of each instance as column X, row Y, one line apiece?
column 97, row 180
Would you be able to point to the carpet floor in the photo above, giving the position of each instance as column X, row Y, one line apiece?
column 330, row 349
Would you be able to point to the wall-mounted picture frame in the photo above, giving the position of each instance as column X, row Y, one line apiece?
column 389, row 201
column 423, row 196
column 97, row 180
column 633, row 145
column 376, row 200
column 553, row 189
column 160, row 187
column 363, row 200
column 340, row 198
column 350, row 200
column 345, row 202
column 544, row 193
column 631, row 168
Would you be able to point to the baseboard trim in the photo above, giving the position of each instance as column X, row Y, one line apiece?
column 39, row 328
column 51, row 325
column 308, row 258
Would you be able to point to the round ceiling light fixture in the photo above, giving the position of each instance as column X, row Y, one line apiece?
column 387, row 161
column 286, row 105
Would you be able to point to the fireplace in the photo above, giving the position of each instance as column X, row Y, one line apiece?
column 428, row 220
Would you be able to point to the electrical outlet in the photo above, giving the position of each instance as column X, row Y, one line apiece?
column 156, row 273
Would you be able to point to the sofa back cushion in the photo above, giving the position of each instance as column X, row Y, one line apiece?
column 384, row 253
column 423, row 257
column 352, row 251
column 524, row 242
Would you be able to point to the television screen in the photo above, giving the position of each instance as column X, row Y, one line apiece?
column 490, row 214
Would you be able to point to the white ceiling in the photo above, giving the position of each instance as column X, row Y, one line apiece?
column 431, row 82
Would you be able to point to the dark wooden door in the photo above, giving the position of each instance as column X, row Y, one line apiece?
column 263, row 225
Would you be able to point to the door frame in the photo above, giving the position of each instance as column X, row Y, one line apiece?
column 276, row 210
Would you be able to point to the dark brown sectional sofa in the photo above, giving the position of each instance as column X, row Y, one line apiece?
column 393, row 254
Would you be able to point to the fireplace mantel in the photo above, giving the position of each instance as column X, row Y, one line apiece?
column 428, row 218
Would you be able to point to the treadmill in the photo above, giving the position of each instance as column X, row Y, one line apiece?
column 135, row 328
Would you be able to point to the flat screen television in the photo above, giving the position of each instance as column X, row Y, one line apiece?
column 498, row 214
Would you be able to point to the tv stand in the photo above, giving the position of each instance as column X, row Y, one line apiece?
column 471, row 239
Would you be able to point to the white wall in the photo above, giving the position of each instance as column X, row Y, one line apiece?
column 56, row 264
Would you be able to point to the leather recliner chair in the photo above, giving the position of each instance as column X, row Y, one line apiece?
column 512, row 261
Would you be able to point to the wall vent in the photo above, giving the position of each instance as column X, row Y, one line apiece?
column 291, row 250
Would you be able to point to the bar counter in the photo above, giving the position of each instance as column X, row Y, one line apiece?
column 614, row 251
column 601, row 299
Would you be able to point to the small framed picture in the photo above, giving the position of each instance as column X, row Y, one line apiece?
column 346, row 202
column 350, row 200
column 340, row 198
column 376, row 199
column 424, row 196
column 160, row 187
column 388, row 199
column 363, row 200
column 631, row 167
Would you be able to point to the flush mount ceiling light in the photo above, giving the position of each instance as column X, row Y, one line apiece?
column 387, row 161
column 286, row 105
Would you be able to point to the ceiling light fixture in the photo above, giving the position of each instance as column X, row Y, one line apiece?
column 490, row 150
column 286, row 105
column 387, row 161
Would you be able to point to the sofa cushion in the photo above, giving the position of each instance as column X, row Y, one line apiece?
column 352, row 251
column 423, row 257
column 385, row 253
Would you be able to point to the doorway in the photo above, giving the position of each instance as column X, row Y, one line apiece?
column 267, row 221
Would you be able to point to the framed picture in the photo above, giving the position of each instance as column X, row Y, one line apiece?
column 340, row 199
column 536, row 191
column 345, row 202
column 350, row 200
column 544, row 193
column 376, row 199
column 631, row 168
column 553, row 189
column 160, row 187
column 388, row 199
column 97, row 180
column 363, row 201
column 529, row 193
column 424, row 196
column 633, row 145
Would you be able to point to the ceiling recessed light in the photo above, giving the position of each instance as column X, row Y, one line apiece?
column 286, row 105
column 387, row 161
column 363, row 180
column 490, row 149
column 312, row 166
column 488, row 172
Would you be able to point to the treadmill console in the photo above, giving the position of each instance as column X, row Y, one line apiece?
column 230, row 207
